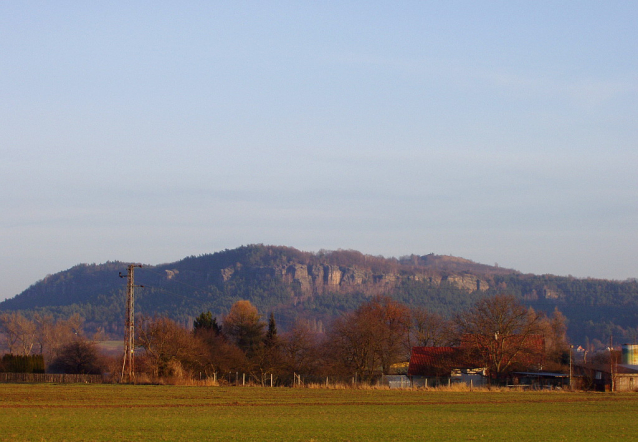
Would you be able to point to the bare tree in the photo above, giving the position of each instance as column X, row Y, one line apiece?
column 222, row 355
column 429, row 329
column 9, row 328
column 20, row 333
column 501, row 332
column 350, row 346
column 44, row 334
column 391, row 324
column 78, row 357
column 170, row 349
column 52, row 336
column 372, row 337
column 299, row 349
column 554, row 329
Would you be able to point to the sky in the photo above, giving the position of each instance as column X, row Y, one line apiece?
column 498, row 131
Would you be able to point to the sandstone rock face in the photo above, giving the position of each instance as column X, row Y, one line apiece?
column 385, row 278
column 298, row 274
column 170, row 274
column 551, row 294
column 468, row 282
column 309, row 279
column 316, row 274
column 332, row 276
column 226, row 273
column 353, row 276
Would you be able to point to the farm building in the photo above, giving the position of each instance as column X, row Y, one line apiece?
column 611, row 376
column 432, row 366
column 473, row 361
column 538, row 380
column 603, row 377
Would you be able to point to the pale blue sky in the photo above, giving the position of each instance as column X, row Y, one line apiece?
column 149, row 131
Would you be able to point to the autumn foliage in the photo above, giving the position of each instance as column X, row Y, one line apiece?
column 497, row 332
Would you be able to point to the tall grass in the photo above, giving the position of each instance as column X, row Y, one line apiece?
column 456, row 387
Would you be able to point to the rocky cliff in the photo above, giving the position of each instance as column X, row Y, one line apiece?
column 316, row 279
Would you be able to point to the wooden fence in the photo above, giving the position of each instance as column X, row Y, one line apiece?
column 52, row 378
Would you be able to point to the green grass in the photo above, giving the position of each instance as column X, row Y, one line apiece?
column 174, row 413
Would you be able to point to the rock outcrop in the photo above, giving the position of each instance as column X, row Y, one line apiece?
column 309, row 279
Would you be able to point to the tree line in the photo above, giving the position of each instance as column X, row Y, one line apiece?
column 60, row 345
column 597, row 309
column 375, row 338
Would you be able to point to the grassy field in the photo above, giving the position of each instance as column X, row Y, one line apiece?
column 175, row 413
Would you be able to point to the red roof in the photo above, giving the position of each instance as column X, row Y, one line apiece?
column 437, row 361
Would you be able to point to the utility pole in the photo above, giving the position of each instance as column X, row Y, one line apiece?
column 611, row 362
column 571, row 347
column 129, row 333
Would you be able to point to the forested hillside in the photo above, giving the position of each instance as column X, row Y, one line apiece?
column 320, row 286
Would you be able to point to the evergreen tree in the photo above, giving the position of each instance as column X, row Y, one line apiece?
column 271, row 334
column 206, row 322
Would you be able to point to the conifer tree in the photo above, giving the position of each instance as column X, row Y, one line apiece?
column 271, row 334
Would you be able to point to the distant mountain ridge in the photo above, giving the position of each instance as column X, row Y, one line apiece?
column 317, row 286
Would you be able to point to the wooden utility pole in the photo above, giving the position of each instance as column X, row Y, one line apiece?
column 611, row 362
column 128, row 366
column 571, row 347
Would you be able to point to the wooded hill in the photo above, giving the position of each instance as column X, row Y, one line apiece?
column 319, row 286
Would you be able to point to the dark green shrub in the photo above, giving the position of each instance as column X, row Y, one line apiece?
column 22, row 364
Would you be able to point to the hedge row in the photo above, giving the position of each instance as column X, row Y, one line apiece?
column 22, row 364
